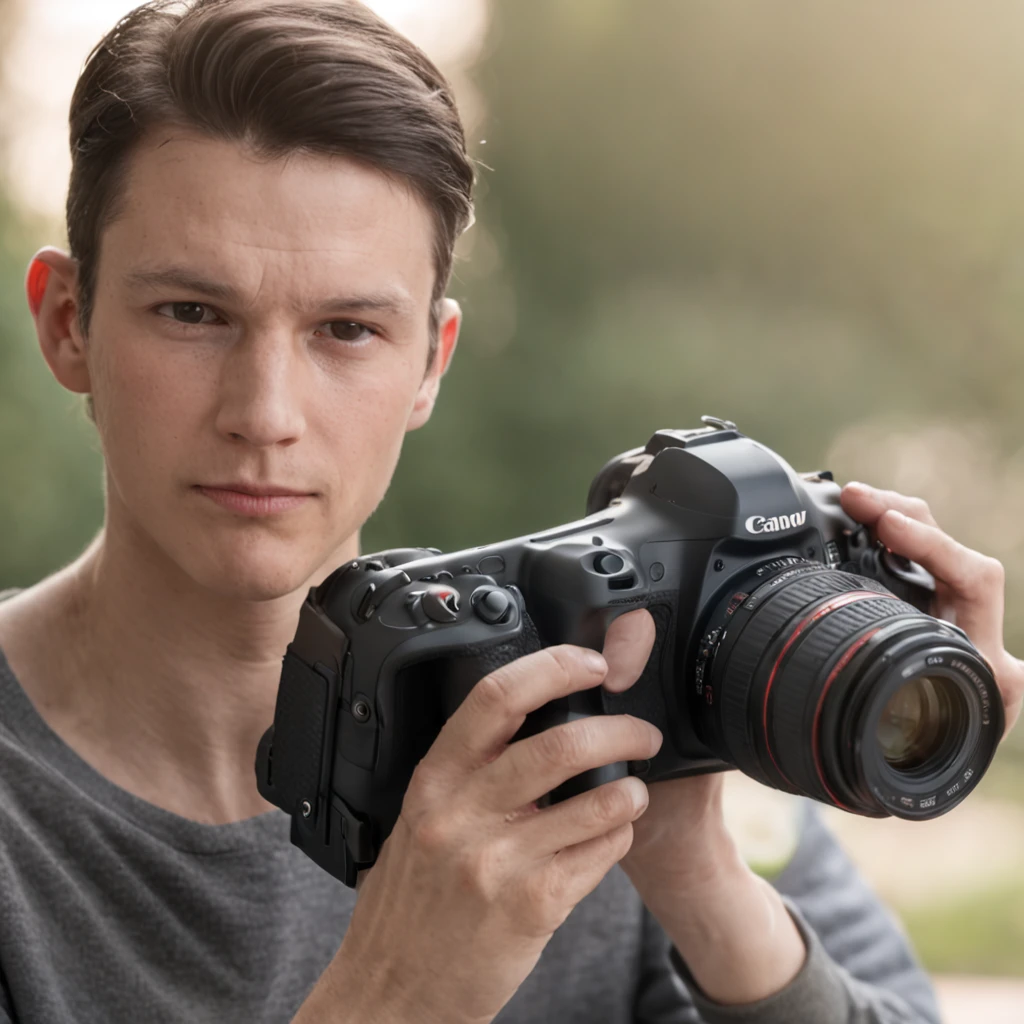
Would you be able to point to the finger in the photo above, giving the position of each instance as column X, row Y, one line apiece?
column 868, row 504
column 533, row 766
column 578, row 870
column 976, row 581
column 498, row 704
column 627, row 646
column 1010, row 676
column 582, row 817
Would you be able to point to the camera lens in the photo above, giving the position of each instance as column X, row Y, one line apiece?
column 824, row 683
column 921, row 724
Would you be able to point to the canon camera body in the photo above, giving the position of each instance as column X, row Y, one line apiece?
column 788, row 645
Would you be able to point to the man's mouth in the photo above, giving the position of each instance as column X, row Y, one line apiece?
column 255, row 499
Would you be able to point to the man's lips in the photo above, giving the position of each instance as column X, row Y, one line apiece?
column 254, row 499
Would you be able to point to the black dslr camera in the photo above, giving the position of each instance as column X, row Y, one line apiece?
column 788, row 645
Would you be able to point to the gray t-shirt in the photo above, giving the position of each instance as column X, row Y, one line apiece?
column 112, row 909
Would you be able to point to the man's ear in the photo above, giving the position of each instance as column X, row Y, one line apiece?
column 447, row 338
column 51, row 284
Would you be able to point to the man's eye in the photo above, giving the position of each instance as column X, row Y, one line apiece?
column 188, row 312
column 349, row 330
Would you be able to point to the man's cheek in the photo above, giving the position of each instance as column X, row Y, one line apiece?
column 367, row 463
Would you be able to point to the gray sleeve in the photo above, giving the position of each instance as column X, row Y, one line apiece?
column 661, row 996
column 859, row 967
column 883, row 979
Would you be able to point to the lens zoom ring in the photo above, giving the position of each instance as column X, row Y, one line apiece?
column 796, row 691
column 738, row 672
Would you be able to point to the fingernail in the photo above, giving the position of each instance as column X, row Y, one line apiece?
column 641, row 798
column 595, row 661
column 656, row 738
column 897, row 518
column 856, row 485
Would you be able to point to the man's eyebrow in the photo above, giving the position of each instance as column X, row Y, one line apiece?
column 396, row 302
column 179, row 277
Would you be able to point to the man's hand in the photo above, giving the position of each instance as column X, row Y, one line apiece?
column 730, row 927
column 969, row 586
column 474, row 879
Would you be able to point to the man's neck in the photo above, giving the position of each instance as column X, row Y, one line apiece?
column 161, row 685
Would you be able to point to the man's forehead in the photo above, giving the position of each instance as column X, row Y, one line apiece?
column 190, row 202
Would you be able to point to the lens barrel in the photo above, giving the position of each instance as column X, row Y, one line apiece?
column 823, row 683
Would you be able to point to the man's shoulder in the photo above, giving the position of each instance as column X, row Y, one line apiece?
column 26, row 779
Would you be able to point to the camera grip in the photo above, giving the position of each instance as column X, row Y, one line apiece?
column 462, row 670
column 559, row 712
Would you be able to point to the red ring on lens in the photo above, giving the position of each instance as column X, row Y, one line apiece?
column 833, row 604
column 815, row 745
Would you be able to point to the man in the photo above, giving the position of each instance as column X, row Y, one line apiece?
column 262, row 209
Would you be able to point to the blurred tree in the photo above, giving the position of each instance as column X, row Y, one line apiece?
column 50, row 496
column 798, row 216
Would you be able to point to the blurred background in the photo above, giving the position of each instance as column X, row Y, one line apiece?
column 805, row 217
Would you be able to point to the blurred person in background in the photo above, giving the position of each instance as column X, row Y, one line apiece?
column 262, row 210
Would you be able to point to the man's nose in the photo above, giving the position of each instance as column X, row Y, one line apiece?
column 261, row 390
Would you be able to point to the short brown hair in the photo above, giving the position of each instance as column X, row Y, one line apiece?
column 317, row 76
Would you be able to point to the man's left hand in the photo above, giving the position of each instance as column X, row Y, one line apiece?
column 969, row 586
column 682, row 860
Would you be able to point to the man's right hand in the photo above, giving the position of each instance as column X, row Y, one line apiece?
column 474, row 879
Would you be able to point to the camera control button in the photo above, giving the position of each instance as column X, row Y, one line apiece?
column 491, row 565
column 608, row 563
column 491, row 604
column 368, row 598
column 440, row 603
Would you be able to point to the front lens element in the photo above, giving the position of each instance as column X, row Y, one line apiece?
column 918, row 723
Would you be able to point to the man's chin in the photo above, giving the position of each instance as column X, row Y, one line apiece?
column 255, row 576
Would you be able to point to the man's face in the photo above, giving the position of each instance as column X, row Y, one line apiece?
column 257, row 325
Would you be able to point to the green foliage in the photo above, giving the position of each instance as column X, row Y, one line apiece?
column 50, row 495
column 798, row 216
column 978, row 934
column 794, row 215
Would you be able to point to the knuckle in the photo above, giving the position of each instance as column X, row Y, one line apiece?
column 981, row 573
column 918, row 508
column 611, row 804
column 994, row 571
column 563, row 745
column 479, row 869
column 562, row 664
column 492, row 693
column 432, row 833
column 639, row 735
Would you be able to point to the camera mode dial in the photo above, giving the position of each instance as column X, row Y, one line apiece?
column 440, row 603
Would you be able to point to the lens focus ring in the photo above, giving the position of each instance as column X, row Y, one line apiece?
column 793, row 709
column 768, row 619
